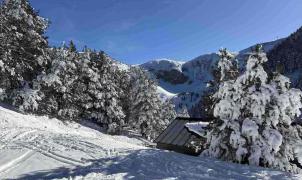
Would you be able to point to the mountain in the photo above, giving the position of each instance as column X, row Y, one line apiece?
column 185, row 82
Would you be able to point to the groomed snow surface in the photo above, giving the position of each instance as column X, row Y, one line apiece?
column 41, row 148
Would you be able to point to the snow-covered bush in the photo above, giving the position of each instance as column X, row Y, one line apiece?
column 254, row 118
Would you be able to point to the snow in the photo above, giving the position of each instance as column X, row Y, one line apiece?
column 197, row 127
column 250, row 128
column 164, row 94
column 163, row 64
column 121, row 66
column 34, row 147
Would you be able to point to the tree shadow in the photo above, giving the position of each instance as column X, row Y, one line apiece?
column 159, row 164
column 10, row 107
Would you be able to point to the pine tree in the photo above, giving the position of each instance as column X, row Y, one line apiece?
column 82, row 86
column 144, row 109
column 72, row 47
column 254, row 118
column 227, row 66
column 57, row 85
column 226, row 69
column 23, row 46
column 99, row 76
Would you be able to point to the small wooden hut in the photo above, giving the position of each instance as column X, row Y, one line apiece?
column 177, row 137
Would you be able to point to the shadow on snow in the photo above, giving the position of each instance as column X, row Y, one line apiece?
column 159, row 164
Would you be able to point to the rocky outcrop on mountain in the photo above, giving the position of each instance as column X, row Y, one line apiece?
column 173, row 76
column 166, row 70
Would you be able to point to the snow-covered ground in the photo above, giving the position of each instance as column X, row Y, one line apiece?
column 41, row 148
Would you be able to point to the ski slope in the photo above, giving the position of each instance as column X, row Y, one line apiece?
column 41, row 148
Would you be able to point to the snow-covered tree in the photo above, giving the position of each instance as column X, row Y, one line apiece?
column 57, row 84
column 98, row 76
column 227, row 66
column 225, row 69
column 166, row 114
column 23, row 45
column 81, row 86
column 72, row 46
column 144, row 109
column 254, row 118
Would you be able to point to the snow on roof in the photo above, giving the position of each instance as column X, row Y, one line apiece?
column 197, row 127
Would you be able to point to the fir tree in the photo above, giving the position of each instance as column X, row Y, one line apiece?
column 57, row 85
column 226, row 69
column 144, row 109
column 72, row 47
column 23, row 45
column 254, row 118
column 104, row 92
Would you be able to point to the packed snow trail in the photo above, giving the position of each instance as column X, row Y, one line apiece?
column 41, row 148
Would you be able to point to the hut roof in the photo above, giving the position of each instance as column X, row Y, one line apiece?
column 177, row 133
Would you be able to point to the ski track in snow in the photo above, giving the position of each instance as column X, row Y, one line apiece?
column 41, row 148
column 13, row 163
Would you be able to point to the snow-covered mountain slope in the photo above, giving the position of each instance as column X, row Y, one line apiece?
column 41, row 148
column 287, row 57
column 188, row 80
column 163, row 64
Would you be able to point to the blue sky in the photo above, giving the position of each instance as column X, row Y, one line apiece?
column 135, row 31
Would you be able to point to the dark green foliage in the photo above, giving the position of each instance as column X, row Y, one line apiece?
column 72, row 47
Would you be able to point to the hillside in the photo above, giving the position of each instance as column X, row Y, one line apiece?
column 287, row 57
column 41, row 148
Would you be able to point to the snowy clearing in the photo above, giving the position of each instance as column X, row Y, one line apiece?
column 42, row 148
